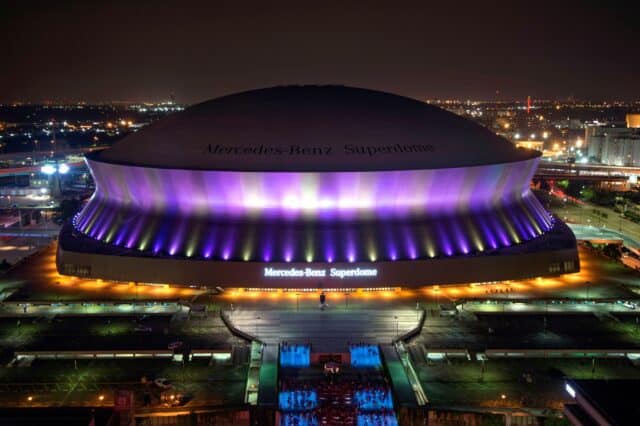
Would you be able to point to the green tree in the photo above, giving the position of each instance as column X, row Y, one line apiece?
column 68, row 208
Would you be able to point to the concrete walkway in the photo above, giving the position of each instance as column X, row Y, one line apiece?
column 330, row 330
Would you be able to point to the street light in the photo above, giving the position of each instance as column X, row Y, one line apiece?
column 49, row 169
column 55, row 172
column 297, row 302
column 346, row 301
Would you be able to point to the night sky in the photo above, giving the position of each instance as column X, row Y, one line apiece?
column 149, row 50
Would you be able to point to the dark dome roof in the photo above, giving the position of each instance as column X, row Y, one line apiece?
column 313, row 128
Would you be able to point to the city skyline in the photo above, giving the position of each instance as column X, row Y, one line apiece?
column 194, row 51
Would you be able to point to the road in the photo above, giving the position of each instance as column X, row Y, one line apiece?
column 585, row 214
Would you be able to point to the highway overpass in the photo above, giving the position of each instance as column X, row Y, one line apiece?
column 596, row 172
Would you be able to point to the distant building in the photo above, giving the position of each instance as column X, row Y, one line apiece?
column 535, row 145
column 633, row 120
column 618, row 146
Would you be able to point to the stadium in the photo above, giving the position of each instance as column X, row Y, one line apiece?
column 314, row 187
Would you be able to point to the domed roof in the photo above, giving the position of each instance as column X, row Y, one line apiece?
column 313, row 128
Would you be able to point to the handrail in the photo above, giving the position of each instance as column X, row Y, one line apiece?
column 414, row 331
column 235, row 331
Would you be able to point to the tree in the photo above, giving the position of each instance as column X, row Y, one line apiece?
column 612, row 251
column 4, row 265
column 68, row 208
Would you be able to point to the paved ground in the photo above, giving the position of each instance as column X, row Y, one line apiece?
column 530, row 331
column 14, row 249
column 330, row 330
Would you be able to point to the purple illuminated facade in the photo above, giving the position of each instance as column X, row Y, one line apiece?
column 194, row 213
column 261, row 200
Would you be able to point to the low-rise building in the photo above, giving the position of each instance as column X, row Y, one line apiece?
column 613, row 145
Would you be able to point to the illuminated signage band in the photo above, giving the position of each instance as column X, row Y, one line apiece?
column 319, row 273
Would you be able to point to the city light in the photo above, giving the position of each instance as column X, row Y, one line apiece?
column 63, row 169
column 570, row 390
column 48, row 169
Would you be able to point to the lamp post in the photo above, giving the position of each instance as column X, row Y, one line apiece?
column 587, row 288
column 257, row 319
column 346, row 301
column 297, row 302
